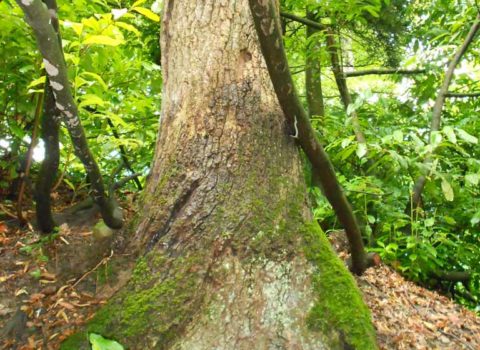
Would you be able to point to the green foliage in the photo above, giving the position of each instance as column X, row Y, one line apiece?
column 113, row 61
column 395, row 116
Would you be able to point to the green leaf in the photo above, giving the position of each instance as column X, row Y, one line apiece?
column 100, row 343
column 371, row 219
column 361, row 150
column 90, row 99
column 36, row 82
column 472, row 179
column 466, row 136
column 450, row 133
column 97, row 77
column 138, row 2
column 429, row 222
column 102, row 40
column 147, row 13
column 447, row 190
column 398, row 135
column 128, row 27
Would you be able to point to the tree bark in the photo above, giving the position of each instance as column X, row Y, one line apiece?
column 345, row 96
column 228, row 255
column 313, row 83
column 313, row 75
column 49, row 168
column 50, row 127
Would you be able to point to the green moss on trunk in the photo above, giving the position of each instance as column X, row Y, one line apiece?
column 339, row 306
column 161, row 297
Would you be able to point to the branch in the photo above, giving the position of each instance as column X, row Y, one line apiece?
column 120, row 183
column 268, row 30
column 38, row 17
column 439, row 102
column 453, row 276
column 462, row 95
column 384, row 71
column 29, row 157
column 123, row 154
column 303, row 21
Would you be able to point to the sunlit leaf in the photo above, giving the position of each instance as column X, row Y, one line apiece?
column 147, row 13
column 466, row 136
column 102, row 40
column 447, row 190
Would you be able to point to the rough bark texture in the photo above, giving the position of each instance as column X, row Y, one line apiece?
column 228, row 256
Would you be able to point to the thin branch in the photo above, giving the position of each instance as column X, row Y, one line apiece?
column 384, row 71
column 268, row 30
column 462, row 95
column 438, row 107
column 29, row 157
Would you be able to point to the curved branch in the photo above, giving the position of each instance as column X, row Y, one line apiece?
column 438, row 106
column 37, row 15
column 268, row 30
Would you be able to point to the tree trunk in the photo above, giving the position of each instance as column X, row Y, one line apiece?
column 313, row 75
column 229, row 257
column 313, row 83
column 333, row 49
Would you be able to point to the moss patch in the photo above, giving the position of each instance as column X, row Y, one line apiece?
column 339, row 304
column 160, row 289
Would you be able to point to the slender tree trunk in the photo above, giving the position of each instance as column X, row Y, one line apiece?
column 313, row 83
column 229, row 257
column 313, row 75
column 339, row 75
column 49, row 167
column 39, row 17
column 268, row 30
column 50, row 136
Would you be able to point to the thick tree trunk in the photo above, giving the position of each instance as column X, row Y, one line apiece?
column 229, row 258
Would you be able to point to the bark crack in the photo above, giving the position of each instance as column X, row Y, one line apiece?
column 179, row 204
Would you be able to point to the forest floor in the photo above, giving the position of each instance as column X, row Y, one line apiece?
column 42, row 304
